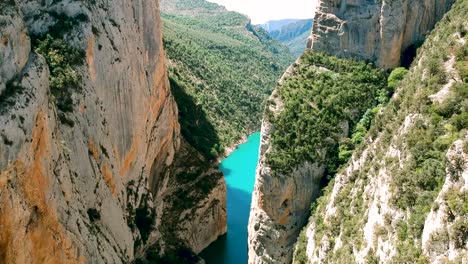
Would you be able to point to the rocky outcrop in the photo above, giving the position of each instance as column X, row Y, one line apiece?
column 378, row 31
column 90, row 183
column 280, row 206
column 280, row 203
column 377, row 209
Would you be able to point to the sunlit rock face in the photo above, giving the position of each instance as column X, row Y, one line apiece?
column 93, row 184
column 280, row 203
column 378, row 31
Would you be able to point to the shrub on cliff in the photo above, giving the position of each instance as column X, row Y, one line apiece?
column 396, row 76
column 62, row 60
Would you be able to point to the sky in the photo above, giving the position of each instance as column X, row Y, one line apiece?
column 261, row 11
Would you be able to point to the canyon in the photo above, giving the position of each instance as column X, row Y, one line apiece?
column 115, row 115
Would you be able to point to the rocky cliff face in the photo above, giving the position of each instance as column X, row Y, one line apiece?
column 371, row 212
column 280, row 203
column 378, row 31
column 88, row 147
column 402, row 198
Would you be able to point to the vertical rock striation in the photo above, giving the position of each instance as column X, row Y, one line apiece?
column 378, row 31
column 90, row 184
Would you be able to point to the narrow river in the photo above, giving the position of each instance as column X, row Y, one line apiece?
column 239, row 171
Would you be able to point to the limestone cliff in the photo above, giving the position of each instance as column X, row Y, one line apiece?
column 403, row 196
column 91, row 155
column 368, row 226
column 378, row 31
column 280, row 203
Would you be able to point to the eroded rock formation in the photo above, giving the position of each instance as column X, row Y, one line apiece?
column 378, row 31
column 94, row 183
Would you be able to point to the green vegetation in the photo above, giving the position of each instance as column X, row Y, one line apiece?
column 323, row 95
column 421, row 129
column 419, row 181
column 62, row 59
column 300, row 256
column 396, row 77
column 222, row 69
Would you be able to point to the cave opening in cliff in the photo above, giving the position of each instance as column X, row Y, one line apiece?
column 408, row 55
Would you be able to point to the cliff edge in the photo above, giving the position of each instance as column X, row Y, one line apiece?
column 308, row 136
column 378, row 31
column 90, row 138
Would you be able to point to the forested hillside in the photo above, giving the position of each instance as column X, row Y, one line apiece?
column 322, row 104
column 221, row 69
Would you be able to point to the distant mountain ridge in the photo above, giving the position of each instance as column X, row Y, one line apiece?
column 291, row 32
column 274, row 25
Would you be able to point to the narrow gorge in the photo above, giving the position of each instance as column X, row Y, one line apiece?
column 179, row 131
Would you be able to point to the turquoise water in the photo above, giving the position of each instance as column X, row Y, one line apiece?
column 239, row 171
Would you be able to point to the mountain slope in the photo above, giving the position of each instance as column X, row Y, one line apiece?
column 275, row 25
column 395, row 174
column 403, row 197
column 221, row 68
column 293, row 33
column 298, row 44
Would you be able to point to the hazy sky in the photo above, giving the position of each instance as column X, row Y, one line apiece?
column 261, row 11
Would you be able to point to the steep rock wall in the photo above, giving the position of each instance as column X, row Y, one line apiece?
column 378, row 31
column 89, row 185
column 280, row 203
column 377, row 209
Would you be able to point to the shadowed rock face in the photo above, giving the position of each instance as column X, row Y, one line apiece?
column 74, row 191
column 378, row 31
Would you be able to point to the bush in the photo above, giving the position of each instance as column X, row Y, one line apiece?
column 396, row 76
column 460, row 233
column 62, row 60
